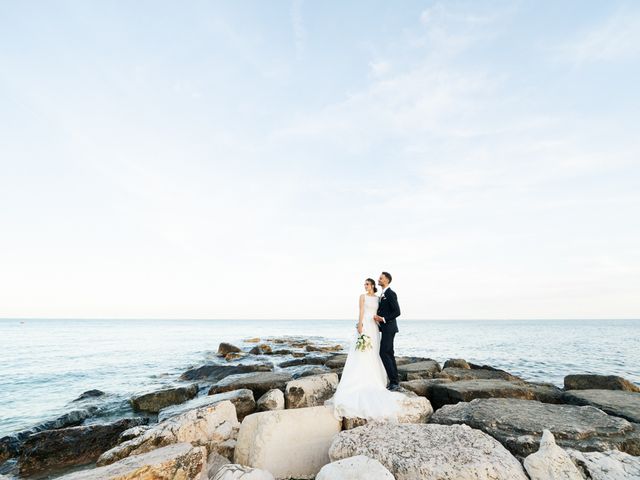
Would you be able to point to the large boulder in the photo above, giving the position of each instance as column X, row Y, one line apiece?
column 215, row 372
column 479, row 373
column 598, row 382
column 550, row 462
column 262, row 349
column 309, row 370
column 225, row 348
column 355, row 468
column 415, row 409
column 518, row 424
column 180, row 461
column 423, row 386
column 242, row 399
column 10, row 445
column 156, row 401
column 56, row 449
column 234, row 471
column 416, row 451
column 620, row 403
column 288, row 443
column 258, row 383
column 310, row 391
column 467, row 390
column 609, row 465
column 210, row 426
column 272, row 400
column 413, row 371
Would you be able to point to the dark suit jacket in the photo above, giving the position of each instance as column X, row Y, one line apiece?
column 390, row 310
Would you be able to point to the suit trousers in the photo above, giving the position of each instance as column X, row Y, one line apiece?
column 388, row 356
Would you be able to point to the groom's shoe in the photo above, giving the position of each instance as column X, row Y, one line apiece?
column 394, row 387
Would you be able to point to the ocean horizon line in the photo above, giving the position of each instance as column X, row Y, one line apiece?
column 315, row 319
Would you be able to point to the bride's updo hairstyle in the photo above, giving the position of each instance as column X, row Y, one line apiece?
column 373, row 284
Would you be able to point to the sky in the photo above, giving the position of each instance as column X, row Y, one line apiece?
column 252, row 159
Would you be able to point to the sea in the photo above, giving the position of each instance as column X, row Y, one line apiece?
column 46, row 363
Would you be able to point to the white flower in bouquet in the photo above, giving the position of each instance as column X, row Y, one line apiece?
column 363, row 342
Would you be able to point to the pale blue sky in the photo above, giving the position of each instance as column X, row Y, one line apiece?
column 259, row 159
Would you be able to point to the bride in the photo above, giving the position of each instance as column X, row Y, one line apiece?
column 362, row 391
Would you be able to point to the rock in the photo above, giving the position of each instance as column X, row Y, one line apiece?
column 323, row 348
column 405, row 360
column 252, row 340
column 467, row 390
column 355, row 468
column 234, row 356
column 457, row 363
column 260, row 349
column 479, row 373
column 426, row 451
column 310, row 391
column 259, row 383
column 132, row 432
column 272, row 400
column 518, row 424
column 89, row 394
column 215, row 462
column 310, row 360
column 598, row 382
column 209, row 426
column 550, row 462
column 215, row 372
column 309, row 370
column 336, row 361
column 620, row 403
column 56, row 449
column 242, row 399
column 609, row 465
column 225, row 348
column 282, row 351
column 240, row 472
column 179, row 461
column 423, row 386
column 288, row 443
column 10, row 445
column 414, row 371
column 415, row 409
column 156, row 401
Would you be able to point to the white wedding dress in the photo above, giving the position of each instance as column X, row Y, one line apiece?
column 362, row 391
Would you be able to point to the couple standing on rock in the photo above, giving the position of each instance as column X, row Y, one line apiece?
column 363, row 391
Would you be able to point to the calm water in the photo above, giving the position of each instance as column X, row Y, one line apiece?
column 44, row 364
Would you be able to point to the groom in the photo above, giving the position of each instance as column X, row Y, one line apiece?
column 388, row 311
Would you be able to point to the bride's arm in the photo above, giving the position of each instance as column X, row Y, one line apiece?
column 361, row 315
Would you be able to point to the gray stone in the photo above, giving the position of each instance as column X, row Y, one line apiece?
column 242, row 399
column 156, row 401
column 467, row 390
column 598, row 382
column 518, row 425
column 480, row 373
column 215, row 372
column 620, row 403
column 427, row 451
column 415, row 409
column 309, row 370
column 336, row 361
column 240, row 472
column 609, row 465
column 51, row 450
column 423, row 386
column 309, row 360
column 260, row 383
column 414, row 371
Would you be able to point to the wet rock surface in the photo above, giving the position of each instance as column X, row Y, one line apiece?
column 156, row 401
column 621, row 403
column 598, row 382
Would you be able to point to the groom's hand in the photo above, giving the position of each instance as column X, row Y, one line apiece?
column 378, row 318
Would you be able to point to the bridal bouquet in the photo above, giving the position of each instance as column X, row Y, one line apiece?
column 363, row 342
